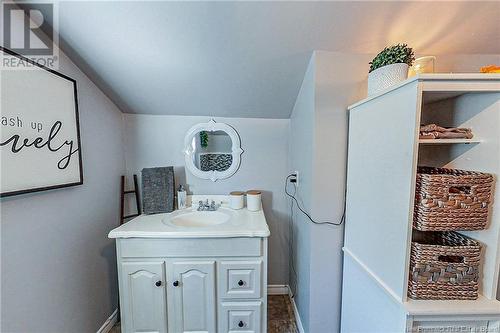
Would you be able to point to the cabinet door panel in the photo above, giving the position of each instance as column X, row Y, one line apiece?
column 192, row 298
column 144, row 303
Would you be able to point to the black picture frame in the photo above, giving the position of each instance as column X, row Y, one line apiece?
column 77, row 118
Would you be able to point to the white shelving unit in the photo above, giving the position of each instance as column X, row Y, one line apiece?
column 384, row 152
column 447, row 141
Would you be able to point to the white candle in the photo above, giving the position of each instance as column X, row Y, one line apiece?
column 254, row 200
column 237, row 200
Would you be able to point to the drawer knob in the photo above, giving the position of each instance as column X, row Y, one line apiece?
column 241, row 283
column 241, row 324
column 176, row 283
column 158, row 283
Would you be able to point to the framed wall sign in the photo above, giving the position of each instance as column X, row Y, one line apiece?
column 40, row 135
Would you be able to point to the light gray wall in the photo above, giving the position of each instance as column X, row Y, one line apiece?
column 58, row 267
column 301, row 159
column 340, row 81
column 152, row 141
column 464, row 63
column 317, row 151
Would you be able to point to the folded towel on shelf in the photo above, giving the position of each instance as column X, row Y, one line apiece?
column 158, row 190
column 433, row 131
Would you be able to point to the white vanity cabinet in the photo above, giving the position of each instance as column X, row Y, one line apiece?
column 213, row 285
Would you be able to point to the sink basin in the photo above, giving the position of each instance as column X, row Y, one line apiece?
column 195, row 219
column 188, row 223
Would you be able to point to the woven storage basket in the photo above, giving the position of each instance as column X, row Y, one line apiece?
column 449, row 199
column 443, row 266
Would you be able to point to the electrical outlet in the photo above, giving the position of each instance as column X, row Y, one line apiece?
column 296, row 178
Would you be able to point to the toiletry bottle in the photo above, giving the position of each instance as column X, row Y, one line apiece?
column 181, row 197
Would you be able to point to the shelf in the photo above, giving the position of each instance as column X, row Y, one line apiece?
column 447, row 141
column 468, row 78
column 481, row 306
column 435, row 96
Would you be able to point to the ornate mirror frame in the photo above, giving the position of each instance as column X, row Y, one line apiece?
column 236, row 150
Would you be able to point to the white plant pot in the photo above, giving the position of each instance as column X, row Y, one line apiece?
column 386, row 76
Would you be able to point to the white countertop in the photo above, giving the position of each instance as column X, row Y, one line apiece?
column 243, row 223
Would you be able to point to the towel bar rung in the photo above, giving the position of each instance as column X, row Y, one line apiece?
column 122, row 199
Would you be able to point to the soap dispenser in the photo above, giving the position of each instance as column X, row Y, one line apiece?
column 181, row 197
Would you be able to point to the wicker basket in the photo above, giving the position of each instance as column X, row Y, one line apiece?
column 443, row 266
column 448, row 199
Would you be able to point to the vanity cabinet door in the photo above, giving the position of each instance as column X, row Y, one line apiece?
column 143, row 297
column 191, row 296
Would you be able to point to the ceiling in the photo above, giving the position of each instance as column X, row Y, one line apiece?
column 248, row 59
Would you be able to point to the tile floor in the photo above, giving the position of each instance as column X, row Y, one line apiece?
column 280, row 316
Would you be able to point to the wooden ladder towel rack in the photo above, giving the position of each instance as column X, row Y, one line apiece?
column 122, row 197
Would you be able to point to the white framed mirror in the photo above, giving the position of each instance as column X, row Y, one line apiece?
column 212, row 150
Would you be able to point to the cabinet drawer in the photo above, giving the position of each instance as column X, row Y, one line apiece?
column 240, row 279
column 240, row 317
column 187, row 247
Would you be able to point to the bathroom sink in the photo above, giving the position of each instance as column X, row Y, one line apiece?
column 190, row 223
column 196, row 219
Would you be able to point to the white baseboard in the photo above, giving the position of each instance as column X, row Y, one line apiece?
column 109, row 323
column 284, row 289
column 277, row 289
column 298, row 322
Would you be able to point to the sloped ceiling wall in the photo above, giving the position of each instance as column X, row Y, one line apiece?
column 248, row 59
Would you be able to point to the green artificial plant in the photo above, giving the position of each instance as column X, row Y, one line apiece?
column 396, row 54
column 204, row 139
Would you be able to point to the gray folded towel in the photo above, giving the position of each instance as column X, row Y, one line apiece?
column 158, row 190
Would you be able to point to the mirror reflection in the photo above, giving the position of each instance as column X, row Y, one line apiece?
column 212, row 151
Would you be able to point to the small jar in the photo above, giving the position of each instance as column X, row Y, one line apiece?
column 237, row 200
column 254, row 200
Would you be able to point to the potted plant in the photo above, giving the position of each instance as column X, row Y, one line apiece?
column 389, row 67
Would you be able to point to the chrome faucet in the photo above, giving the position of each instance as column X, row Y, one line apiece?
column 205, row 206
